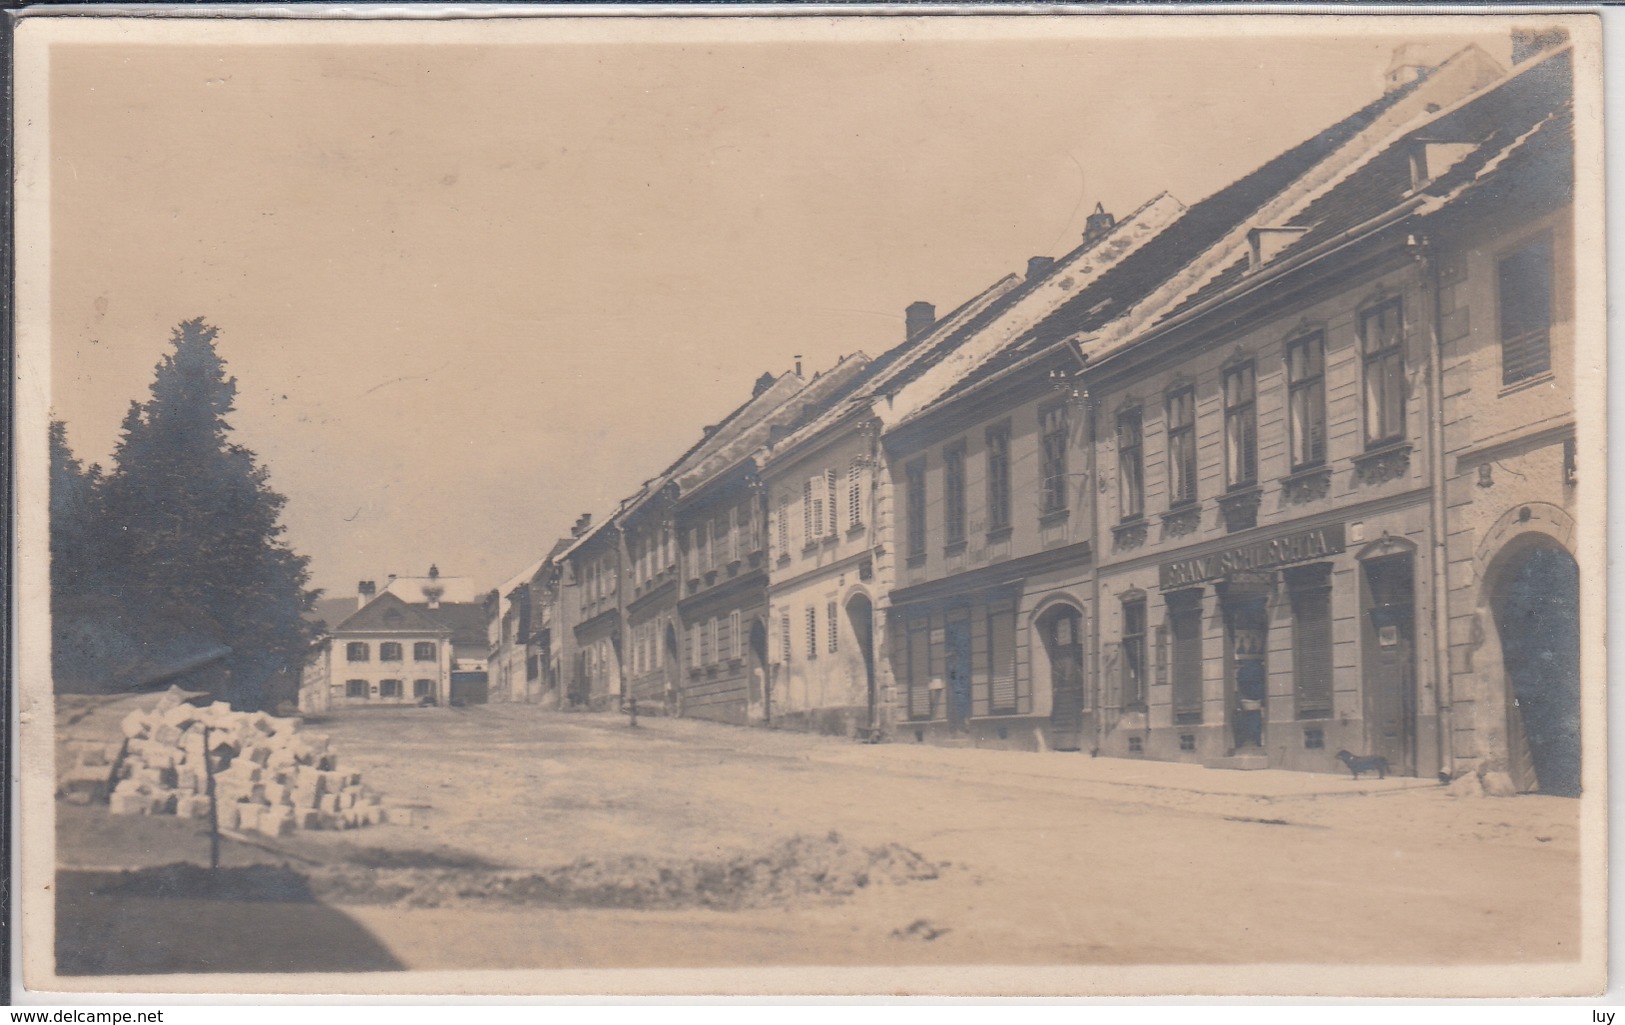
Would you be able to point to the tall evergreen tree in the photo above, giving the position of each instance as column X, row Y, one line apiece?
column 194, row 525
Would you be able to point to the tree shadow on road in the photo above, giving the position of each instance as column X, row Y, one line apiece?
column 180, row 919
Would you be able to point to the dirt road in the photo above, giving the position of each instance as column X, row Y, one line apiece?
column 986, row 857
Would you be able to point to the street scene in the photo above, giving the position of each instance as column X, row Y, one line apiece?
column 536, row 495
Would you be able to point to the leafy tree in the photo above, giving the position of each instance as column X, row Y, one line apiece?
column 193, row 525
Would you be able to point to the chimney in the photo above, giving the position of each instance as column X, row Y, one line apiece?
column 366, row 590
column 1038, row 266
column 798, row 364
column 763, row 383
column 1430, row 159
column 1097, row 224
column 918, row 319
column 1531, row 42
column 582, row 523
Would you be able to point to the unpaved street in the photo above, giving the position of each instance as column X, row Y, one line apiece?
column 545, row 840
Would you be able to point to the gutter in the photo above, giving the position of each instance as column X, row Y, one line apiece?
column 1443, row 683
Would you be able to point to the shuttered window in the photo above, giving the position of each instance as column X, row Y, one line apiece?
column 1311, row 592
column 1001, row 659
column 1185, row 623
column 854, row 494
column 916, row 507
column 832, row 502
column 1524, row 282
column 834, row 625
column 812, row 633
column 734, row 636
column 784, row 636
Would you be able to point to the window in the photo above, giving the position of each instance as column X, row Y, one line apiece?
column 1053, row 430
column 1001, row 659
column 389, row 688
column 702, row 534
column 1382, row 335
column 784, row 635
column 812, row 633
column 424, row 651
column 389, row 651
column 813, row 494
column 1306, row 399
column 854, row 494
column 355, row 689
column 916, row 507
column 1241, row 425
column 719, row 540
column 918, row 640
column 694, row 646
column 425, row 688
column 784, row 525
column 1182, row 446
column 735, row 523
column 998, row 476
column 734, row 650
column 714, row 647
column 1130, row 465
column 1185, row 623
column 1134, row 653
column 1524, row 282
column 832, row 489
column 953, row 467
column 834, row 630
column 357, row 651
column 1311, row 592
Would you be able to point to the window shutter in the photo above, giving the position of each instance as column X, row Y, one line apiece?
column 1001, row 659
column 831, row 503
column 919, row 670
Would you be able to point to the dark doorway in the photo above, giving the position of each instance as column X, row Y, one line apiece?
column 1390, row 662
column 959, row 655
column 760, row 692
column 1061, row 630
column 673, row 674
column 1537, row 609
column 860, row 613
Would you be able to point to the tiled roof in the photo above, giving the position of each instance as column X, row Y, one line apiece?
column 387, row 613
column 1203, row 224
column 465, row 620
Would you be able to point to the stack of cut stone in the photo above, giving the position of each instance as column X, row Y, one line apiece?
column 268, row 777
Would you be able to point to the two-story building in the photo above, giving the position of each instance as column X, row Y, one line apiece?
column 1274, row 590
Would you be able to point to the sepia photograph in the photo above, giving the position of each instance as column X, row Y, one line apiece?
column 957, row 503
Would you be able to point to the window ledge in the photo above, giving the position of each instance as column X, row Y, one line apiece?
column 855, row 530
column 1545, row 377
column 1383, row 463
column 1307, row 483
column 916, row 561
column 999, row 534
column 1050, row 519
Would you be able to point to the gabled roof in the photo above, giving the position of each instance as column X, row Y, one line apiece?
column 332, row 611
column 810, row 401
column 1199, row 244
column 388, row 614
column 465, row 620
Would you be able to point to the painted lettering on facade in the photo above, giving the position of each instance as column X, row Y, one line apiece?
column 1280, row 551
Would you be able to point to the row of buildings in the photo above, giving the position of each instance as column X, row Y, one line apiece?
column 1287, row 471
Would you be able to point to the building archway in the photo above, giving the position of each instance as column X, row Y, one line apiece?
column 1532, row 590
column 1060, row 631
column 860, row 613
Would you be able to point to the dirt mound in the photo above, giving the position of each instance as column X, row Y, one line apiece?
column 817, row 868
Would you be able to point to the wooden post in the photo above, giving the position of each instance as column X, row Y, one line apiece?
column 214, row 805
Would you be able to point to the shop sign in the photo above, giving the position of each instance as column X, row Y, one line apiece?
column 1280, row 551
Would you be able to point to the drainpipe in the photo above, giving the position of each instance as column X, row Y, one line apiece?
column 1442, row 683
column 1090, row 411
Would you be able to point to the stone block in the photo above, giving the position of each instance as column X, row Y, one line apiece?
column 248, row 817
column 1499, row 784
column 167, row 734
column 136, row 724
column 308, row 818
column 276, row 821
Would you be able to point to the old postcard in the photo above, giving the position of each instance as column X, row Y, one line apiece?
column 753, row 503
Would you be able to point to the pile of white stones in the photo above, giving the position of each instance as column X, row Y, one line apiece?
column 268, row 776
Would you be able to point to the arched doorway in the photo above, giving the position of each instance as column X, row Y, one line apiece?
column 758, row 670
column 673, row 674
column 1534, row 596
column 860, row 612
column 1061, row 631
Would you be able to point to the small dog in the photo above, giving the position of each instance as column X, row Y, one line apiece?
column 1369, row 763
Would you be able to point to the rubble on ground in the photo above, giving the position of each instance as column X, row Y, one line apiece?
column 268, row 776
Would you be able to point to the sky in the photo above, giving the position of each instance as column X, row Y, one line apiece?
column 475, row 280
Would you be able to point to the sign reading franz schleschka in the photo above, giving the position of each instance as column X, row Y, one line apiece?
column 1279, row 551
